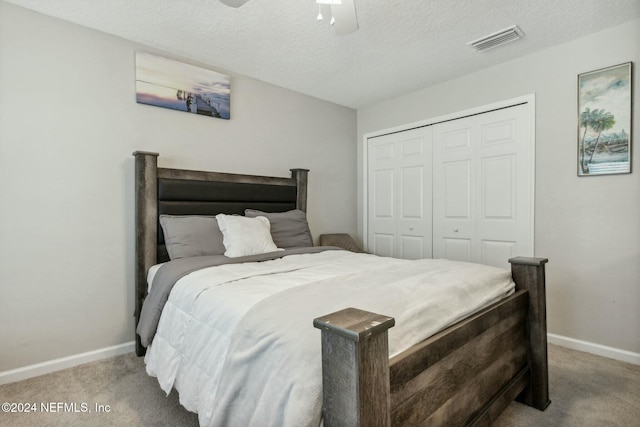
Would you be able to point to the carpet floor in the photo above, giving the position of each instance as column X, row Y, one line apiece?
column 586, row 390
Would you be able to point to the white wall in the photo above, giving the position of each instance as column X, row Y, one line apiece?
column 589, row 228
column 68, row 125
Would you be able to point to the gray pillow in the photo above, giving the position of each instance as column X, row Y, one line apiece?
column 288, row 229
column 191, row 235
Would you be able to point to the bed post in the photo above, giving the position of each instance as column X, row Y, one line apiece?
column 146, row 205
column 355, row 368
column 528, row 273
column 301, row 176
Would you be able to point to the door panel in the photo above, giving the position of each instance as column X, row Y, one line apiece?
column 498, row 188
column 456, row 187
column 383, row 244
column 399, row 217
column 457, row 249
column 498, row 131
column 383, row 152
column 456, row 138
column 411, row 247
column 412, row 148
column 505, row 226
column 384, row 196
column 454, row 215
column 482, row 199
column 496, row 252
column 412, row 194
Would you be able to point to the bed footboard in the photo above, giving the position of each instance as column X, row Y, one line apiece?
column 464, row 375
column 355, row 368
column 529, row 274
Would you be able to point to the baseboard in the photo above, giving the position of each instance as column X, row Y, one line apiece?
column 104, row 353
column 597, row 349
column 64, row 363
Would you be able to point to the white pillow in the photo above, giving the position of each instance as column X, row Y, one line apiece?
column 244, row 236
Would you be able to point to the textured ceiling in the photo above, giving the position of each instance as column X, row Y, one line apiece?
column 402, row 45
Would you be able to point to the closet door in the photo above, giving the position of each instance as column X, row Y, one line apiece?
column 483, row 187
column 399, row 214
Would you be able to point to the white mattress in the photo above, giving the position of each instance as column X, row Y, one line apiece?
column 238, row 344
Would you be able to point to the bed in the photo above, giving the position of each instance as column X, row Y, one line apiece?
column 465, row 374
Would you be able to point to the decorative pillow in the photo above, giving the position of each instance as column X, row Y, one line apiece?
column 245, row 236
column 191, row 235
column 288, row 229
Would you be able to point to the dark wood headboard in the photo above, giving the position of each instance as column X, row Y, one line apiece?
column 188, row 192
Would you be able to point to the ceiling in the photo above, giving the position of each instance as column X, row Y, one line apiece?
column 402, row 45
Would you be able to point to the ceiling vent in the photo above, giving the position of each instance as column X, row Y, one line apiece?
column 501, row 37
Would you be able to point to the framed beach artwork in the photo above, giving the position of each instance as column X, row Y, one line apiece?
column 604, row 121
column 172, row 84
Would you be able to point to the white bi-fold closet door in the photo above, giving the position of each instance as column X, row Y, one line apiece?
column 483, row 187
column 400, row 194
column 463, row 187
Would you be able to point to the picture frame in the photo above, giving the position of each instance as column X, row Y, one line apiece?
column 604, row 121
column 166, row 83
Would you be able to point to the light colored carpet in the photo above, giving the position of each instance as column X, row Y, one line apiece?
column 586, row 390
column 121, row 382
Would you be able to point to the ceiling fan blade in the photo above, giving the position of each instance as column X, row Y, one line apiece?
column 234, row 3
column 345, row 16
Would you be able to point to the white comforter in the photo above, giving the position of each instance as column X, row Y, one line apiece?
column 238, row 344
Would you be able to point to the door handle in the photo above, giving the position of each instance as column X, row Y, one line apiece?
column 455, row 230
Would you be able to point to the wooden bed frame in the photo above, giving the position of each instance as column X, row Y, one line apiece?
column 465, row 375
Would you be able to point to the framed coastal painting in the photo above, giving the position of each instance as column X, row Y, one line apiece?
column 604, row 121
column 172, row 84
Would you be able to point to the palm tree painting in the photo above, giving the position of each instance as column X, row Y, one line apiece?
column 604, row 121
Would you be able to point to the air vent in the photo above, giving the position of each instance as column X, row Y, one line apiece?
column 501, row 37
